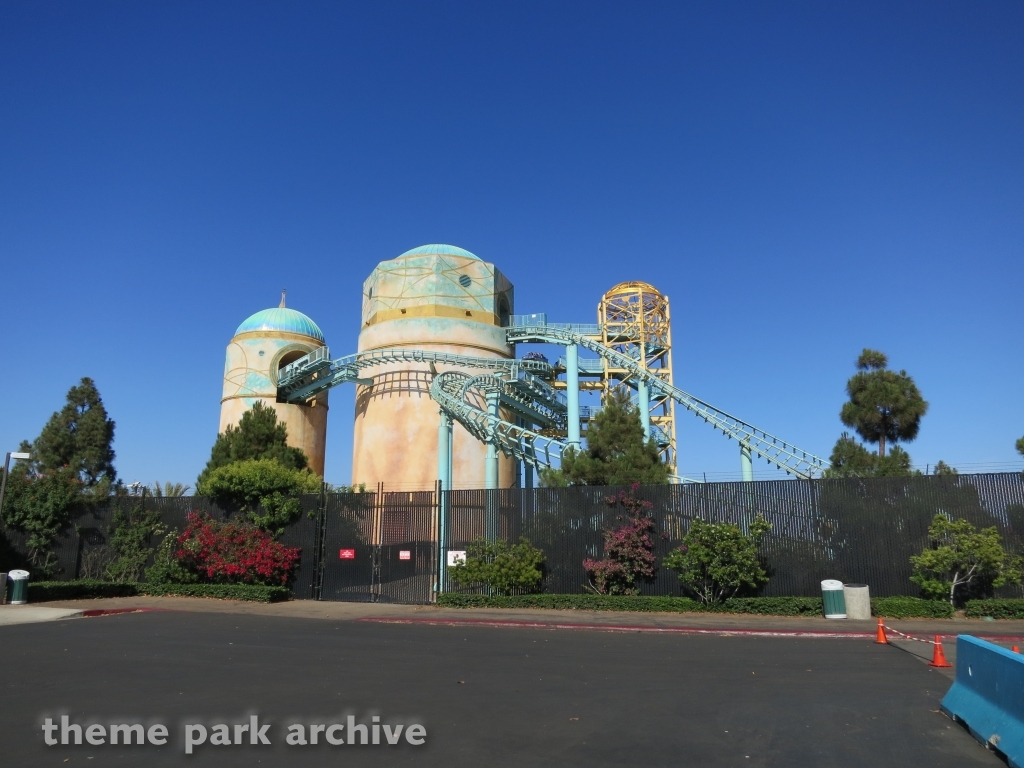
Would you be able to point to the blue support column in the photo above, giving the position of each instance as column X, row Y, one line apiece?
column 491, row 512
column 572, row 393
column 491, row 471
column 645, row 408
column 746, row 463
column 444, row 476
column 444, row 455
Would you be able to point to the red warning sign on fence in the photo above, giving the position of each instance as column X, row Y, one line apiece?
column 347, row 554
column 405, row 554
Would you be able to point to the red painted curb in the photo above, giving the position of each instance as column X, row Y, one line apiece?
column 625, row 628
column 112, row 611
column 811, row 633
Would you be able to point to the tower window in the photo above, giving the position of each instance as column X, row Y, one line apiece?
column 465, row 281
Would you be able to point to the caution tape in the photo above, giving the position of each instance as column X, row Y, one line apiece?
column 909, row 637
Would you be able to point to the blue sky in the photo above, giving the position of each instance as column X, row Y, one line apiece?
column 802, row 179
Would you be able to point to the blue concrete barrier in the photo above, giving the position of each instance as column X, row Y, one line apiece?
column 988, row 696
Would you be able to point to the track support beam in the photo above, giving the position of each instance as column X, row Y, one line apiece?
column 491, row 471
column 644, row 393
column 572, row 394
column 746, row 463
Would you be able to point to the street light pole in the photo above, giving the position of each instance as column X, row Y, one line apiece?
column 7, row 468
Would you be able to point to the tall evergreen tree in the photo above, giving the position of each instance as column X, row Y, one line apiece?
column 616, row 452
column 79, row 438
column 257, row 436
column 884, row 405
column 1020, row 446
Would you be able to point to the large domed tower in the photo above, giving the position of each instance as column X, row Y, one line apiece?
column 437, row 298
column 261, row 347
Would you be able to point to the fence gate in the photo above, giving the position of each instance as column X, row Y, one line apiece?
column 379, row 547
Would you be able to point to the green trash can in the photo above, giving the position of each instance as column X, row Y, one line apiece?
column 19, row 587
column 832, row 599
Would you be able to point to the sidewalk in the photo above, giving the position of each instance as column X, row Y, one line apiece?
column 694, row 622
column 30, row 614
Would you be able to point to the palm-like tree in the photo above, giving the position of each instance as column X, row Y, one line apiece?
column 169, row 489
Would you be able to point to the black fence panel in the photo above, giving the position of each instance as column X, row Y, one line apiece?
column 380, row 547
column 303, row 533
column 408, row 553
column 348, row 548
column 855, row 530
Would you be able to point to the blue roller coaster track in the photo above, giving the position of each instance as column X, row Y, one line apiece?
column 520, row 389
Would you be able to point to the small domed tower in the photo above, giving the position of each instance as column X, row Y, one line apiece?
column 261, row 347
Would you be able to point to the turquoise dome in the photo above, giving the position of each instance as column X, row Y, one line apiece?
column 450, row 250
column 281, row 319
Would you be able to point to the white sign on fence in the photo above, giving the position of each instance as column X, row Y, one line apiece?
column 456, row 556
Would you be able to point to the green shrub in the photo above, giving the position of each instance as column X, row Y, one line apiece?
column 46, row 591
column 253, row 593
column 131, row 530
column 263, row 489
column 717, row 560
column 166, row 569
column 771, row 606
column 997, row 609
column 911, row 608
column 499, row 567
column 961, row 562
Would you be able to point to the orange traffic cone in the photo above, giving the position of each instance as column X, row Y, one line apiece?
column 939, row 656
column 1015, row 649
column 881, row 638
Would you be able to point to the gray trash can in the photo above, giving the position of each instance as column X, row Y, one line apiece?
column 832, row 599
column 857, row 598
column 19, row 587
column 3, row 588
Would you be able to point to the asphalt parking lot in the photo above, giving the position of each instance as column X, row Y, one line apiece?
column 487, row 696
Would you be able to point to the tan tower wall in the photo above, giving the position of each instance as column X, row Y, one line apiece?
column 250, row 375
column 417, row 302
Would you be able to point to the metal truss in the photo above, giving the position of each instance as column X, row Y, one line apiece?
column 523, row 389
column 775, row 451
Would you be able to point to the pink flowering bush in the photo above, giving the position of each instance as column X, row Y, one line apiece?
column 234, row 553
column 629, row 550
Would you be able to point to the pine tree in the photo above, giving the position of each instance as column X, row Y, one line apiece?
column 257, row 436
column 616, row 452
column 79, row 438
column 1020, row 446
column 884, row 405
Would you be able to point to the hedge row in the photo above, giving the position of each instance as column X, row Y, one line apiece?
column 911, row 608
column 997, row 609
column 641, row 603
column 768, row 606
column 891, row 607
column 253, row 593
column 46, row 591
column 772, row 606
